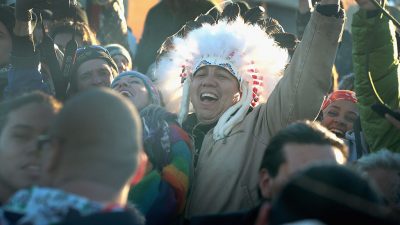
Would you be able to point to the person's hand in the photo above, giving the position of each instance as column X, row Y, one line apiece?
column 329, row 2
column 367, row 4
column 102, row 2
column 392, row 120
column 305, row 6
column 23, row 9
column 263, row 214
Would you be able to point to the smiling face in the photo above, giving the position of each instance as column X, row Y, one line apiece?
column 134, row 89
column 122, row 63
column 212, row 91
column 339, row 117
column 94, row 73
column 19, row 161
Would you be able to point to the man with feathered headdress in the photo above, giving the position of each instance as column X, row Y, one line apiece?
column 227, row 68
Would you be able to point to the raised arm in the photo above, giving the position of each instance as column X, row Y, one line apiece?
column 303, row 16
column 24, row 75
column 375, row 53
column 113, row 26
column 306, row 81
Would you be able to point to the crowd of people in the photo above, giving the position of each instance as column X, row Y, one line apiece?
column 217, row 116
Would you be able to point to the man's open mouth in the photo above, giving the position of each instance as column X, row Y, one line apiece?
column 206, row 96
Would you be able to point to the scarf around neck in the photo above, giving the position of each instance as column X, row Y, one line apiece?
column 40, row 205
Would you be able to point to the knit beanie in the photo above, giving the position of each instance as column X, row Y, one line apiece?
column 151, row 88
column 117, row 49
column 85, row 54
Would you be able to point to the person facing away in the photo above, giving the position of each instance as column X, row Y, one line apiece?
column 330, row 194
column 89, row 158
column 161, row 194
column 225, row 73
column 22, row 121
column 383, row 168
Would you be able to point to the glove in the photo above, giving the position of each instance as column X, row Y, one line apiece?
column 23, row 9
column 103, row 2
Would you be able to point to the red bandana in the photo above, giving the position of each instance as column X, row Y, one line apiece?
column 339, row 95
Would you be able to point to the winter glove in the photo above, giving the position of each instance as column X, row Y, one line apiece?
column 23, row 11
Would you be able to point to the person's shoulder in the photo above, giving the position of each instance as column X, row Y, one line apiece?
column 177, row 133
column 122, row 217
column 202, row 6
column 239, row 217
column 158, row 8
column 206, row 3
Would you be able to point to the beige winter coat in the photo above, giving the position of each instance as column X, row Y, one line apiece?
column 226, row 176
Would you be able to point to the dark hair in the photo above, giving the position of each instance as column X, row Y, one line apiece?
column 331, row 194
column 304, row 132
column 82, row 29
column 62, row 13
column 34, row 97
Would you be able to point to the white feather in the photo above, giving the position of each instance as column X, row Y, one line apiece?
column 253, row 51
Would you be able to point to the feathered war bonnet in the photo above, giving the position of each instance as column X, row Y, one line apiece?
column 242, row 45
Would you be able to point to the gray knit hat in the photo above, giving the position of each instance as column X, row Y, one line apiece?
column 117, row 49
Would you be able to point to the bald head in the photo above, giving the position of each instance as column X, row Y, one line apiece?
column 98, row 136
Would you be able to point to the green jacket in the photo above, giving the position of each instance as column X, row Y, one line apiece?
column 375, row 51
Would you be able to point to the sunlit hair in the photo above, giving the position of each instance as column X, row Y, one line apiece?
column 303, row 132
column 382, row 159
column 8, row 107
column 67, row 26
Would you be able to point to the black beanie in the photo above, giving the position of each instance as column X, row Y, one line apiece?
column 88, row 53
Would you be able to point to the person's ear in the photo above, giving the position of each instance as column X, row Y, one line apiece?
column 265, row 183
